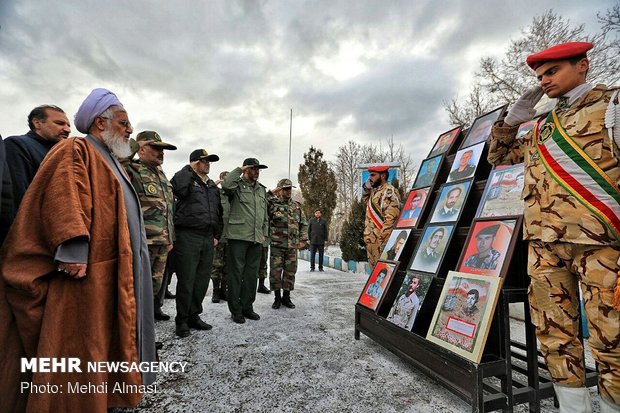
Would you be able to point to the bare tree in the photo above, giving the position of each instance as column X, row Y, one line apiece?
column 501, row 81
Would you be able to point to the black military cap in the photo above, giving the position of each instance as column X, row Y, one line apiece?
column 200, row 154
column 254, row 162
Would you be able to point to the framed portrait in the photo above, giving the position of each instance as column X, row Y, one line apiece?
column 445, row 142
column 428, row 171
column 450, row 201
column 466, row 162
column 377, row 284
column 395, row 244
column 489, row 246
column 502, row 193
column 464, row 313
column 480, row 130
column 412, row 209
column 409, row 299
column 524, row 128
column 431, row 248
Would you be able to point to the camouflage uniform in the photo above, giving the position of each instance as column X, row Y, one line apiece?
column 218, row 271
column 375, row 238
column 287, row 228
column 569, row 243
column 156, row 199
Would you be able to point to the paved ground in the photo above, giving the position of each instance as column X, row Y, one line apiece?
column 304, row 359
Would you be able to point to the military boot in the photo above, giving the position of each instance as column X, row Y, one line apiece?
column 286, row 299
column 277, row 301
column 261, row 287
column 215, row 297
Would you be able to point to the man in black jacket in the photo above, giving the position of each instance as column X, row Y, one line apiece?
column 317, row 234
column 6, row 195
column 198, row 226
column 48, row 125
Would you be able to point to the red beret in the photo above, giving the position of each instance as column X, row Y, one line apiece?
column 379, row 168
column 558, row 52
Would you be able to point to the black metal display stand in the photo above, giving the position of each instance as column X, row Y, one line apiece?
column 510, row 372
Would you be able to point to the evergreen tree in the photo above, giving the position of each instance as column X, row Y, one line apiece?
column 318, row 184
column 352, row 238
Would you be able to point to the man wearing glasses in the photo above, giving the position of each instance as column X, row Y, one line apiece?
column 198, row 227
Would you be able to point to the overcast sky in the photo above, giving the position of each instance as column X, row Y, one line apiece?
column 224, row 75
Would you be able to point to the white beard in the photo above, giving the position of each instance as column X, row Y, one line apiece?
column 116, row 144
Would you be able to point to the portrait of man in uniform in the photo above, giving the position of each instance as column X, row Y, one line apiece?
column 465, row 162
column 428, row 171
column 395, row 244
column 450, row 201
column 377, row 284
column 486, row 256
column 481, row 128
column 409, row 299
column 444, row 142
column 431, row 248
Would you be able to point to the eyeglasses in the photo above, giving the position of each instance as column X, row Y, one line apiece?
column 124, row 123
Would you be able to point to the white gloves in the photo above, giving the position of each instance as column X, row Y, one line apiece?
column 523, row 109
column 367, row 185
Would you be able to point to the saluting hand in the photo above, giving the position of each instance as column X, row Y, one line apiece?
column 523, row 109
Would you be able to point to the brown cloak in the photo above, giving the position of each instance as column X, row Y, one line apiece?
column 45, row 313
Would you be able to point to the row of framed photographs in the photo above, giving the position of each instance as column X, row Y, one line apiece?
column 501, row 197
column 462, row 313
column 468, row 156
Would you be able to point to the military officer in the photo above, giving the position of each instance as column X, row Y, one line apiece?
column 157, row 201
column 246, row 233
column 288, row 232
column 218, row 273
column 382, row 211
column 262, row 271
column 571, row 219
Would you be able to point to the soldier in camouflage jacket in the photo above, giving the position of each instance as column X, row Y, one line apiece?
column 382, row 212
column 568, row 242
column 288, row 232
column 157, row 201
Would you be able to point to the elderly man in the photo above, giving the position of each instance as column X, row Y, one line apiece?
column 246, row 232
column 382, row 211
column 157, row 201
column 48, row 126
column 571, row 219
column 76, row 278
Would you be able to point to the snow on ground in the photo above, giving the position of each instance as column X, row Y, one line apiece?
column 300, row 360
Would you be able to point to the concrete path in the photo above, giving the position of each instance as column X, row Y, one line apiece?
column 301, row 360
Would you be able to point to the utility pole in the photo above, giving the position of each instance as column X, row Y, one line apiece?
column 290, row 144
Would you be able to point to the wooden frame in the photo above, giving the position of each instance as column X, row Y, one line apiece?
column 395, row 244
column 498, row 238
column 471, row 156
column 446, row 196
column 445, row 142
column 405, row 308
column 502, row 193
column 412, row 211
column 480, row 129
column 425, row 178
column 374, row 291
column 431, row 262
column 464, row 312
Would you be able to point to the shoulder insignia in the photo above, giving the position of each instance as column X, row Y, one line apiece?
column 151, row 189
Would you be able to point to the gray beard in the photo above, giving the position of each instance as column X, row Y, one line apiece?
column 116, row 144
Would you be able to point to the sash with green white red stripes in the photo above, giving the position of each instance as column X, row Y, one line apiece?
column 576, row 172
column 374, row 213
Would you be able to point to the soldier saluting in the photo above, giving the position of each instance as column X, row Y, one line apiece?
column 382, row 211
column 571, row 219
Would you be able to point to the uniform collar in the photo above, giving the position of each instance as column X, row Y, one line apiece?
column 574, row 94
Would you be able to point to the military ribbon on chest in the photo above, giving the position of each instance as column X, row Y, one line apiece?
column 576, row 172
column 374, row 212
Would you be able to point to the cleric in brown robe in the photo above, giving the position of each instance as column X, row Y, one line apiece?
column 75, row 272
